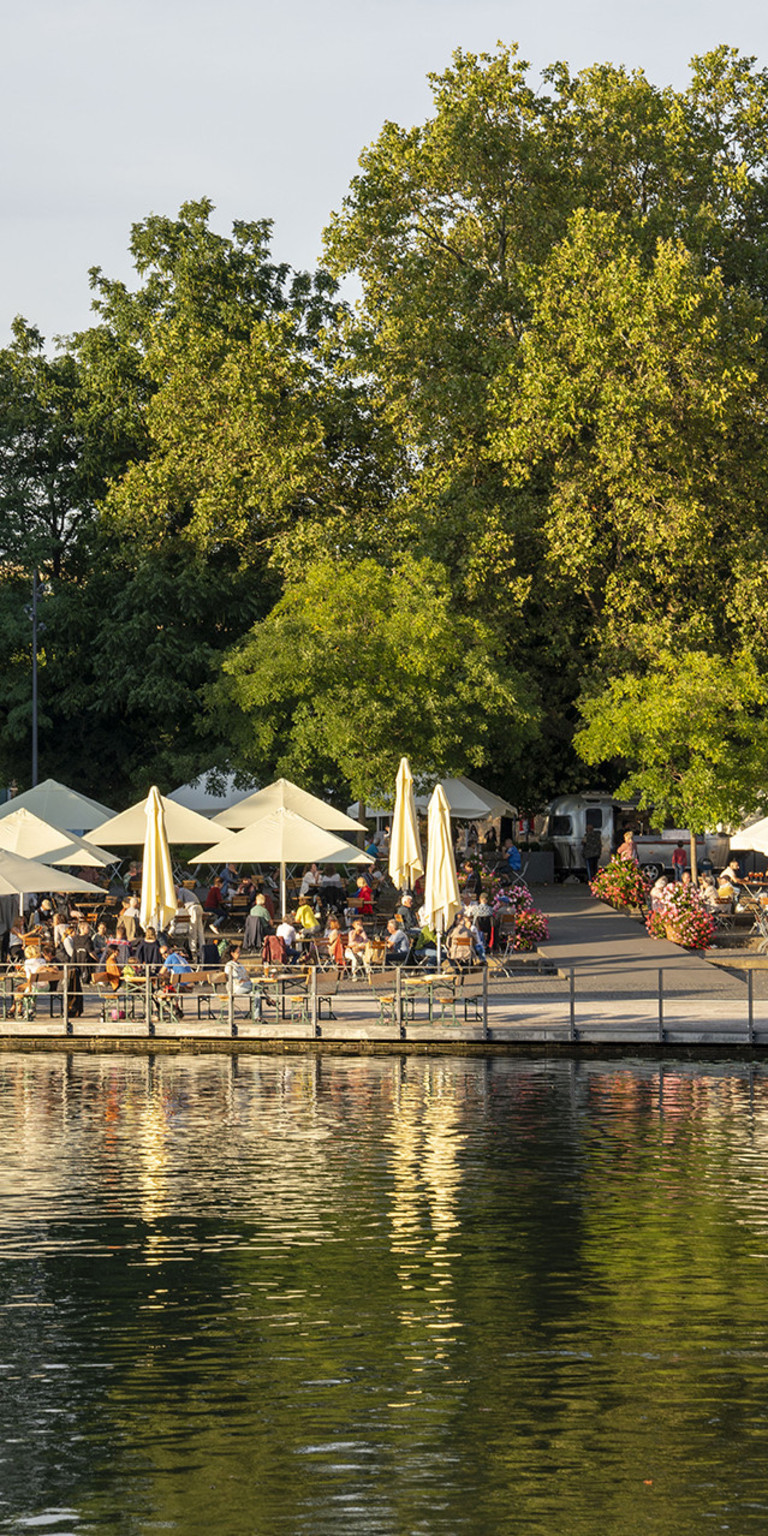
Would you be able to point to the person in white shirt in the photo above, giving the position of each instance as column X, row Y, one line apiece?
column 287, row 932
column 241, row 981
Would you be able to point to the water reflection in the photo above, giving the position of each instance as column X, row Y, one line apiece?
column 381, row 1296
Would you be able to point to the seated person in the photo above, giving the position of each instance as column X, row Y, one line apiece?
column 425, row 948
column 230, row 880
column 406, row 913
column 287, row 932
column 354, row 949
column 235, row 971
column 214, row 905
column 364, row 897
column 306, row 917
column 147, row 952
column 398, row 942
column 174, row 967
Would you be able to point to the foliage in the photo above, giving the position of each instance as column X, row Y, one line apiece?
column 621, row 883
column 357, row 660
column 682, row 909
column 692, row 732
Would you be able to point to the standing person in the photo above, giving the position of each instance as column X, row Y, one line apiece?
column 83, row 958
column 129, row 917
column 592, row 847
column 626, row 850
column 679, row 862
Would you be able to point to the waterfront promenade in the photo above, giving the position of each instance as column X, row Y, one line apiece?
column 610, row 985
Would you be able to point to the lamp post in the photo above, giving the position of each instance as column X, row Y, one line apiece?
column 34, row 677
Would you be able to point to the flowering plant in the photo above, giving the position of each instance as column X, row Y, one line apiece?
column 621, row 883
column 531, row 928
column 682, row 909
column 504, row 891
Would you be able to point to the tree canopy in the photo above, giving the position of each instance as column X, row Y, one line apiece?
column 513, row 491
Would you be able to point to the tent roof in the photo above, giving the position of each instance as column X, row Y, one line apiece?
column 60, row 806
column 181, row 825
column 197, row 796
column 752, row 837
column 282, row 837
column 29, row 835
column 284, row 794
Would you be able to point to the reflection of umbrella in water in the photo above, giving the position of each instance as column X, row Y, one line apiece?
column 441, row 887
column 405, row 859
column 283, row 838
column 158, row 890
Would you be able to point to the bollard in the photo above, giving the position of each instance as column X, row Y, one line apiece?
column 572, row 1032
column 751, row 1007
column 661, row 1005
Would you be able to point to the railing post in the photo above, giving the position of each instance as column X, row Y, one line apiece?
column 313, row 1019
column 661, row 1005
column 68, row 1030
column 399, row 1001
column 231, row 1004
column 572, row 1032
column 751, row 1006
column 485, row 999
column 148, row 1001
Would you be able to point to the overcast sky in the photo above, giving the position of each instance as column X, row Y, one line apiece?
column 113, row 109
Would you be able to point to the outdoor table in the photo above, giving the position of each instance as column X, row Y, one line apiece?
column 428, row 985
column 287, row 979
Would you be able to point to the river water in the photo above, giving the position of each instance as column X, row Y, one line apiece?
column 255, row 1296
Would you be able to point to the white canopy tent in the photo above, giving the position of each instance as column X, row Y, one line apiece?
column 466, row 801
column 283, row 795
column 752, row 838
column 200, row 795
column 60, row 806
column 283, row 838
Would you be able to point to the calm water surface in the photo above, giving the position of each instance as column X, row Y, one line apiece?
column 255, row 1297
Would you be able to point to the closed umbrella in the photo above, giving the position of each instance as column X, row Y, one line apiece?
column 283, row 838
column 158, row 890
column 405, row 860
column 441, row 887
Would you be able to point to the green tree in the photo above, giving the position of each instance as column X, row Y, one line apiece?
column 692, row 733
column 357, row 664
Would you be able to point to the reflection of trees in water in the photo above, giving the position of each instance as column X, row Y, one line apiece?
column 310, row 1294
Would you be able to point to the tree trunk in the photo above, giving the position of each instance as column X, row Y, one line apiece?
column 694, row 865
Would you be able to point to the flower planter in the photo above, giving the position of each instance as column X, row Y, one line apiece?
column 673, row 934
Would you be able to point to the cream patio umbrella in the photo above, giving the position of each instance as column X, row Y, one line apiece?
column 158, row 890
column 25, row 833
column 19, row 876
column 283, row 838
column 441, row 887
column 405, row 858
column 181, row 825
column 287, row 796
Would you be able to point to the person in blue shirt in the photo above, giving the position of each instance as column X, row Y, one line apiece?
column 514, row 858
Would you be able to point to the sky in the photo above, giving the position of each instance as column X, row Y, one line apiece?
column 114, row 109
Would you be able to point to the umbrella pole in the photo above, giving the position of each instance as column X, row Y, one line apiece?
column 283, row 906
column 439, row 942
